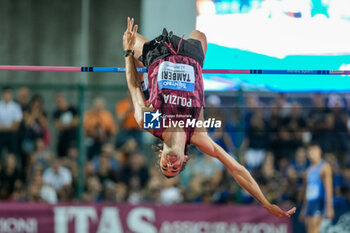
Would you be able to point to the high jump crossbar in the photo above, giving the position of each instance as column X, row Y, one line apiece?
column 144, row 70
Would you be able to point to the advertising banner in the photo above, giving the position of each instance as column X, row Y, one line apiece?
column 126, row 218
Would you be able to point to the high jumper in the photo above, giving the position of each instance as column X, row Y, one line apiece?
column 175, row 72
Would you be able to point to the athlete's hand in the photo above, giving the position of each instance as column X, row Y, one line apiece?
column 129, row 37
column 275, row 210
column 330, row 213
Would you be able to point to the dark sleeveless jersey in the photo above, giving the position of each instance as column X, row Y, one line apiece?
column 175, row 80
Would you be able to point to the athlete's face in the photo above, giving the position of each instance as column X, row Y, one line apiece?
column 171, row 164
column 314, row 153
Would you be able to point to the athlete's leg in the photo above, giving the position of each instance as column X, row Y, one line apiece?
column 197, row 35
column 316, row 223
column 313, row 224
column 308, row 224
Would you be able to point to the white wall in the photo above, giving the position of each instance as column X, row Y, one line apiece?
column 178, row 16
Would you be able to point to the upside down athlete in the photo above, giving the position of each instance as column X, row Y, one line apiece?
column 175, row 71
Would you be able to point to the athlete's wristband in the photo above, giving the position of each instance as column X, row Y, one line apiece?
column 126, row 52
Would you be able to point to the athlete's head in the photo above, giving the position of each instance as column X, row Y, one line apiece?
column 172, row 160
column 314, row 153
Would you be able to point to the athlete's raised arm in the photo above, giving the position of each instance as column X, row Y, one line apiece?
column 134, row 85
column 239, row 172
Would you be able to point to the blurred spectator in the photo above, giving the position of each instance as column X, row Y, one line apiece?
column 10, row 118
column 194, row 191
column 226, row 191
column 268, row 169
column 110, row 155
column 105, row 171
column 213, row 101
column 47, row 193
column 186, row 175
column 121, row 192
column 274, row 120
column 66, row 123
column 23, row 98
column 130, row 146
column 234, row 125
column 252, row 104
column 283, row 104
column 130, row 129
column 40, row 192
column 171, row 194
column 256, row 140
column 296, row 122
column 283, row 146
column 19, row 193
column 9, row 176
column 71, row 162
column 155, row 185
column 99, row 127
column 340, row 131
column 135, row 175
column 93, row 190
column 283, row 140
column 207, row 192
column 34, row 126
column 298, row 166
column 60, row 178
column 206, row 166
column 135, row 171
column 136, row 193
column 33, row 192
column 109, row 191
column 213, row 107
column 40, row 156
column 221, row 136
column 321, row 123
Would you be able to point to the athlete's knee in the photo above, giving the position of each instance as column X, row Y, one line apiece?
column 314, row 225
column 198, row 35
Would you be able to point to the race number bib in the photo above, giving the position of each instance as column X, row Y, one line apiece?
column 312, row 192
column 176, row 76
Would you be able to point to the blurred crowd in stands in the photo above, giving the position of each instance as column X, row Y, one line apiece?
column 268, row 135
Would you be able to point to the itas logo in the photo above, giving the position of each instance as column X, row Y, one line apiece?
column 151, row 120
